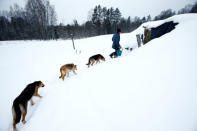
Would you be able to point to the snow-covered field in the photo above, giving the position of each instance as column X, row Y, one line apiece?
column 152, row 88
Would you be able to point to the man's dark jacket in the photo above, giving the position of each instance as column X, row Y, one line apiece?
column 116, row 40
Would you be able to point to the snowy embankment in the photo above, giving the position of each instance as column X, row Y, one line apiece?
column 152, row 88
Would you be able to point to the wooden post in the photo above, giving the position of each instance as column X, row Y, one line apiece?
column 72, row 37
column 138, row 40
column 147, row 35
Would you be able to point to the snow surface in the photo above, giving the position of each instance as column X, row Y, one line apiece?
column 152, row 88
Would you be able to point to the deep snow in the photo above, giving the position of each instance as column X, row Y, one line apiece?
column 152, row 88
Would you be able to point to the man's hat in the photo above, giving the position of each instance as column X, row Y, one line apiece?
column 118, row 30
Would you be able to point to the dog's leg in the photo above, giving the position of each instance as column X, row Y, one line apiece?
column 60, row 76
column 38, row 95
column 14, row 124
column 97, row 61
column 24, row 112
column 88, row 63
column 93, row 62
column 63, row 76
column 14, row 119
column 36, row 92
column 14, row 128
column 23, row 119
column 74, row 72
column 68, row 74
column 32, row 103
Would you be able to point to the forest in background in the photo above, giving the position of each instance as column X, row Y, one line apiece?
column 38, row 20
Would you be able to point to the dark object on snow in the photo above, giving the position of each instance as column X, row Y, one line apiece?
column 162, row 29
column 194, row 8
column 129, row 49
column 138, row 40
column 72, row 37
column 158, row 31
column 113, row 55
column 142, row 37
column 147, row 35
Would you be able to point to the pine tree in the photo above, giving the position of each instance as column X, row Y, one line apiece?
column 148, row 18
column 117, row 16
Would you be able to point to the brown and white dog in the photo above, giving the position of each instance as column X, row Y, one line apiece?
column 65, row 69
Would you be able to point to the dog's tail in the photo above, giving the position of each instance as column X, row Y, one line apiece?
column 61, row 74
column 103, row 58
column 16, row 112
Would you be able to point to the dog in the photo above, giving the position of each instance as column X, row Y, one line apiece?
column 65, row 69
column 19, row 106
column 94, row 58
column 113, row 55
column 129, row 49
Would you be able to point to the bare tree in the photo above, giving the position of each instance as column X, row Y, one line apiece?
column 41, row 15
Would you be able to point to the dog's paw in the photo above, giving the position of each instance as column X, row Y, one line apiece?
column 24, row 122
column 14, row 129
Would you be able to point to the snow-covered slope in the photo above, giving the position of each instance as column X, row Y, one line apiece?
column 152, row 88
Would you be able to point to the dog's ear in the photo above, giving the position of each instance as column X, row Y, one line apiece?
column 38, row 83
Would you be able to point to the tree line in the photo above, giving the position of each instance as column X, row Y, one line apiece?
column 35, row 21
column 38, row 20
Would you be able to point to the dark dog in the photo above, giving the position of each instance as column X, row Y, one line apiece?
column 129, row 49
column 96, row 58
column 20, row 103
column 113, row 55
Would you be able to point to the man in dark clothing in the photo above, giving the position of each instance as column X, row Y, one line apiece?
column 116, row 44
column 116, row 40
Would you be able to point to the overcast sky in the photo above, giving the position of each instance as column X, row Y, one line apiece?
column 68, row 10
